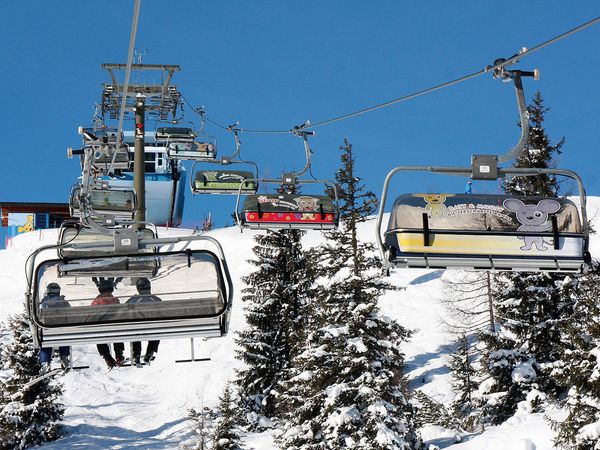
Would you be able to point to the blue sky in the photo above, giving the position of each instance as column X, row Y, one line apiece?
column 275, row 64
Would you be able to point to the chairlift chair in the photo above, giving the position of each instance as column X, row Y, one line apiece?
column 487, row 232
column 184, row 143
column 225, row 181
column 119, row 202
column 290, row 210
column 103, row 143
column 193, row 285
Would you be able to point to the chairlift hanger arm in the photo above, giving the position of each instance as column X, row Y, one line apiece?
column 235, row 130
column 516, row 76
column 301, row 131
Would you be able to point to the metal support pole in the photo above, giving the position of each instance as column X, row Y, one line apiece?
column 139, row 163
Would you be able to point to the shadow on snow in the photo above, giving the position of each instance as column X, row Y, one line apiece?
column 112, row 437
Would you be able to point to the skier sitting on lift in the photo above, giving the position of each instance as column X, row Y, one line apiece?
column 53, row 299
column 143, row 286
column 105, row 297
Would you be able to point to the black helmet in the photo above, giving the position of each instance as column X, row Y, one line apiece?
column 53, row 289
column 105, row 286
column 143, row 284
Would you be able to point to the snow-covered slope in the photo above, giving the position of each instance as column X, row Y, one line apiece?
column 147, row 408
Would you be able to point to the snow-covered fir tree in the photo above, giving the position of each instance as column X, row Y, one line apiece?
column 464, row 384
column 580, row 372
column 539, row 153
column 277, row 295
column 202, row 425
column 346, row 390
column 432, row 412
column 226, row 431
column 532, row 307
column 28, row 416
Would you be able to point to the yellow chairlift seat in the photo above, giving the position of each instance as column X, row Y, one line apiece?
column 534, row 233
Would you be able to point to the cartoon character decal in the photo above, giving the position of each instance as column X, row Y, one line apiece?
column 211, row 176
column 435, row 203
column 293, row 209
column 28, row 225
column 532, row 218
column 306, row 203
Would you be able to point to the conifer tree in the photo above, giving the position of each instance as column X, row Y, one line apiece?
column 464, row 384
column 579, row 372
column 277, row 295
column 346, row 390
column 227, row 436
column 532, row 306
column 431, row 412
column 468, row 298
column 202, row 423
column 539, row 153
column 28, row 416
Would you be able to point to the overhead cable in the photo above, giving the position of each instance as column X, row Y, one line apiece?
column 498, row 65
column 134, row 25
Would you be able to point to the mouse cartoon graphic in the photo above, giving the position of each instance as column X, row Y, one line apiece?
column 435, row 203
column 532, row 218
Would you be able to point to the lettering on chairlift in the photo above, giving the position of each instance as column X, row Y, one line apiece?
column 227, row 176
column 277, row 202
column 480, row 208
column 484, row 169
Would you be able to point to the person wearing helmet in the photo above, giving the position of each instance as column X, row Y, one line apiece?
column 106, row 297
column 143, row 287
column 469, row 187
column 53, row 299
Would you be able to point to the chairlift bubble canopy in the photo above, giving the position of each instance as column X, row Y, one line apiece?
column 296, row 211
column 184, row 143
column 115, row 201
column 485, row 232
column 224, row 181
column 194, row 288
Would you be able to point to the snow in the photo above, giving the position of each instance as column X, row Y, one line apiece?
column 333, row 392
column 358, row 344
column 147, row 408
column 523, row 372
column 590, row 431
